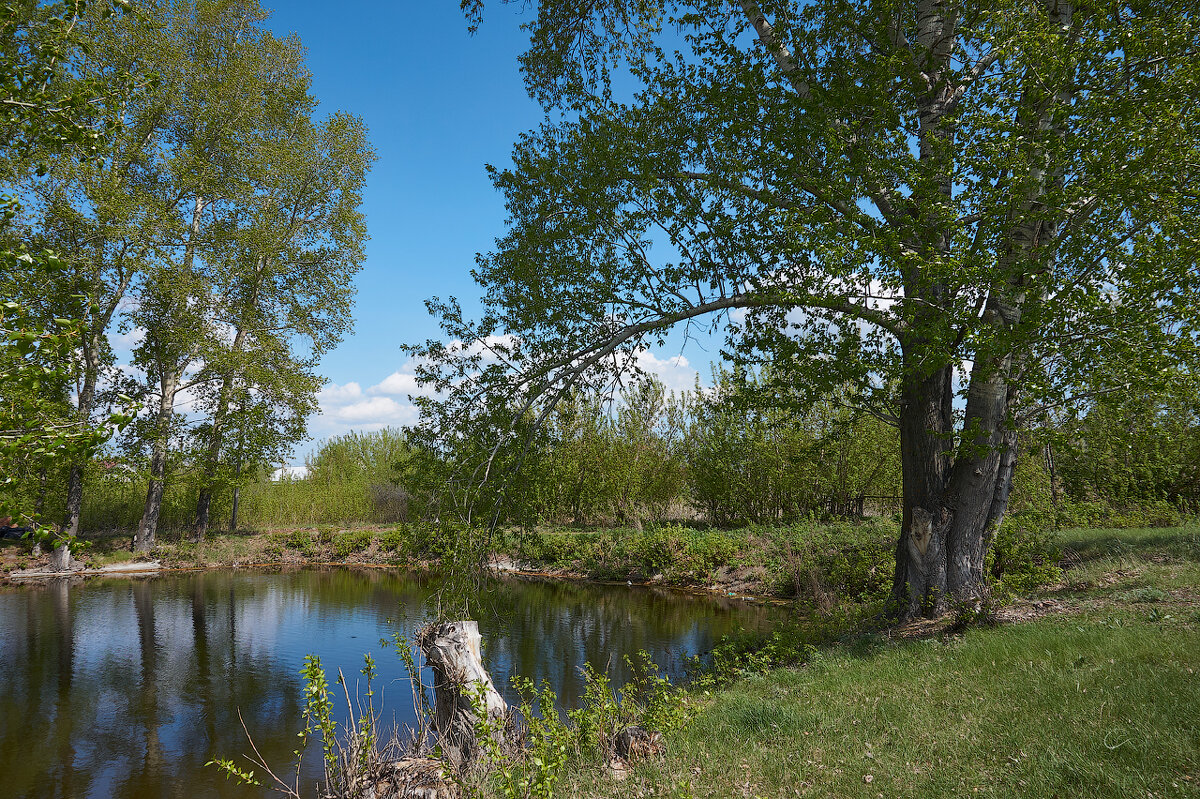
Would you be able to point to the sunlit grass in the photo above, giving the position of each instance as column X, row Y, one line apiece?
column 1104, row 561
column 1101, row 702
column 1104, row 705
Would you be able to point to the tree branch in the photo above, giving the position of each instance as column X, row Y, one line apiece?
column 783, row 57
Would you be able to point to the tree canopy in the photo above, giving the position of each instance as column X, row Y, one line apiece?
column 46, row 111
column 199, row 207
column 963, row 212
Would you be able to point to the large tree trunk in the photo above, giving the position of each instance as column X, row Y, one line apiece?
column 237, row 490
column 972, row 491
column 60, row 559
column 951, row 513
column 211, row 460
column 926, row 439
column 950, row 509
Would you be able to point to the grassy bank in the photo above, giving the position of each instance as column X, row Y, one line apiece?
column 1101, row 704
column 1091, row 688
column 825, row 562
column 823, row 565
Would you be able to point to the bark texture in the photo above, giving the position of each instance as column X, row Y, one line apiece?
column 957, row 483
column 452, row 650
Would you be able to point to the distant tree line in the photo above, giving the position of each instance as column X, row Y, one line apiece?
column 732, row 455
column 745, row 453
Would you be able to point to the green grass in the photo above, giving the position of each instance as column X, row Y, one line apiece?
column 1106, row 562
column 1103, row 701
column 1104, row 705
column 1098, row 543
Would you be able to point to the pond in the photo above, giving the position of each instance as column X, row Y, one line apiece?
column 126, row 687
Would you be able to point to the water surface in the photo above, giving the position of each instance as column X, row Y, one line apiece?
column 126, row 687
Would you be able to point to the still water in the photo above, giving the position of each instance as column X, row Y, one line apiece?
column 126, row 687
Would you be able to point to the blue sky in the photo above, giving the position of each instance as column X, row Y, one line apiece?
column 439, row 104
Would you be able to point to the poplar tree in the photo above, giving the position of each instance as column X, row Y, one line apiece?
column 285, row 291
column 958, row 209
column 220, row 229
column 47, row 111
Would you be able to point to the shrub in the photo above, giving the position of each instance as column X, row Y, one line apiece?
column 745, row 653
column 302, row 541
column 832, row 561
column 353, row 541
column 394, row 540
column 1024, row 557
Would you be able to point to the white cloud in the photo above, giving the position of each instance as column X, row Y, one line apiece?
column 127, row 341
column 401, row 383
column 335, row 395
column 348, row 407
column 398, row 383
column 375, row 410
column 675, row 372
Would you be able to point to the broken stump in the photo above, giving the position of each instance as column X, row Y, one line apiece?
column 452, row 650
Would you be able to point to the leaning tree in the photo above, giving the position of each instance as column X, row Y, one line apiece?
column 957, row 209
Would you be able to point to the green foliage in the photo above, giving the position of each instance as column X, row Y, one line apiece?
column 379, row 457
column 675, row 553
column 349, row 750
column 1024, row 557
column 171, row 153
column 233, row 772
column 547, row 744
column 531, row 771
column 302, row 541
column 598, row 717
column 743, row 654
column 648, row 699
column 318, row 712
column 47, row 108
column 921, row 188
column 394, row 540
column 444, row 542
column 759, row 453
column 344, row 544
column 49, row 111
column 823, row 562
column 1135, row 446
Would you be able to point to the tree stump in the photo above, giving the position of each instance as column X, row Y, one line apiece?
column 636, row 743
column 411, row 778
column 452, row 650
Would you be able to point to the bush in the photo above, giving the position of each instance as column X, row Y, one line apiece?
column 349, row 542
column 394, row 540
column 1024, row 557
column 746, row 653
column 302, row 541
column 1151, row 513
column 830, row 561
